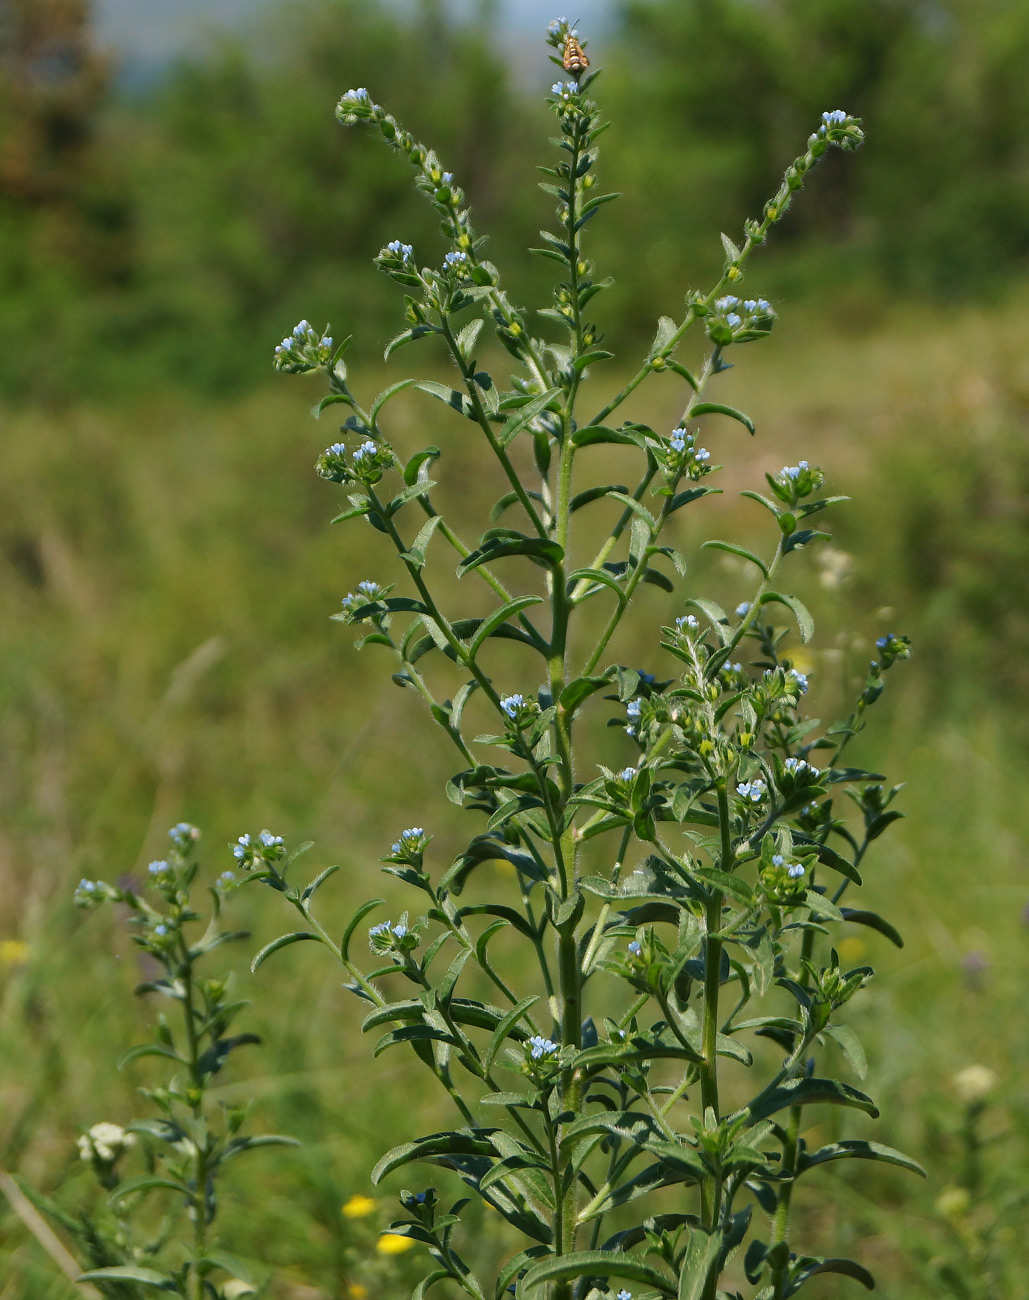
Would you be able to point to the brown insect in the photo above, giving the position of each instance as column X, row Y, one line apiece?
column 574, row 58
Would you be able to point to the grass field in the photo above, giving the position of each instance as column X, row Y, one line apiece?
column 167, row 577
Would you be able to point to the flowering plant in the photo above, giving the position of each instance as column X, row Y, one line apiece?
column 632, row 1089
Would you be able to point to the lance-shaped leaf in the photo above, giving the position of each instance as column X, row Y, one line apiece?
column 283, row 941
column 484, row 849
column 130, row 1273
column 594, row 1263
column 507, row 1028
column 874, row 922
column 354, row 922
column 716, row 408
column 805, row 623
column 490, row 625
column 807, row 1092
column 146, row 1183
column 741, row 551
column 455, row 400
column 541, row 550
column 701, row 1256
column 414, row 1034
column 436, row 1147
column 808, row 1267
column 856, row 1149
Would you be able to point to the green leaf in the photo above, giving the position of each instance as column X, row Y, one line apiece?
column 408, row 336
column 732, row 253
column 355, row 921
column 589, row 358
column 579, row 690
column 384, row 397
column 857, row 1149
column 666, row 328
column 845, row 1267
column 716, row 408
column 874, row 922
column 594, row 1263
column 594, row 494
column 505, row 1027
column 414, row 1034
column 432, row 1148
column 741, row 551
column 638, row 508
column 130, row 1273
column 701, row 1254
column 600, row 433
column 525, row 415
column 317, row 883
column 283, row 941
column 602, row 576
column 850, row 1045
column 490, row 625
column 805, row 623
column 467, row 338
column 539, row 549
column 439, row 1274
column 148, row 1049
column 806, row 1092
column 419, row 461
column 690, row 495
column 415, row 554
column 449, row 396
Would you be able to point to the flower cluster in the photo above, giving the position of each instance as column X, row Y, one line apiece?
column 356, row 106
column 397, row 261
column 736, row 320
column 794, row 482
column 680, row 456
column 520, row 712
column 408, row 849
column 386, row 938
column 366, row 464
column 752, row 791
column 840, row 129
column 260, row 853
column 304, row 350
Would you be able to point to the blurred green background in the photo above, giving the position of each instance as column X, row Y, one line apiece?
column 167, row 568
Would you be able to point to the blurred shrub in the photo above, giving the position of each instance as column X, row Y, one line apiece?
column 940, row 202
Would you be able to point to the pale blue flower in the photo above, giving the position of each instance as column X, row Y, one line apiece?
column 743, row 609
column 510, row 704
column 540, row 1046
column 456, row 259
column 635, row 948
column 157, row 868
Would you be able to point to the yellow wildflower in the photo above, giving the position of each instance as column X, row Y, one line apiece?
column 359, row 1207
column 392, row 1243
column 13, row 952
column 357, row 1291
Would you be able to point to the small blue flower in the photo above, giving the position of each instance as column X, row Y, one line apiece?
column 743, row 609
column 688, row 623
column 624, row 1295
column 795, row 871
column 778, row 860
column 160, row 930
column 635, row 948
column 456, row 259
column 628, row 774
column 88, row 886
column 157, row 868
column 798, row 766
column 752, row 790
column 633, row 708
column 241, row 848
column 448, row 178
column 403, row 251
column 510, row 704
column 270, row 841
column 226, row 878
column 837, row 117
column 799, row 681
column 367, row 448
column 678, row 440
column 358, row 96
column 540, row 1047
